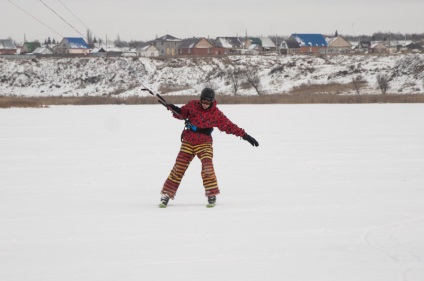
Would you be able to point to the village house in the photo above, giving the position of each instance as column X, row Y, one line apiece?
column 338, row 45
column 7, row 47
column 267, row 44
column 310, row 43
column 113, row 51
column 289, row 47
column 413, row 46
column 378, row 48
column 110, row 50
column 42, row 51
column 199, row 46
column 72, row 45
column 29, row 47
column 252, row 46
column 147, row 51
column 278, row 41
column 252, row 41
column 98, row 52
column 363, row 46
column 232, row 45
column 256, row 45
column 167, row 45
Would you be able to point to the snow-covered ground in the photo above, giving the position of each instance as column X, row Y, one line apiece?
column 333, row 192
column 122, row 77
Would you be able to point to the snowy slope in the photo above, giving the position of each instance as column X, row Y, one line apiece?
column 182, row 76
column 333, row 192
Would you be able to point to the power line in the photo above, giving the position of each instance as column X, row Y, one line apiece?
column 64, row 20
column 35, row 18
column 77, row 17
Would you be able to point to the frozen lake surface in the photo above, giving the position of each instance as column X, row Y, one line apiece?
column 333, row 192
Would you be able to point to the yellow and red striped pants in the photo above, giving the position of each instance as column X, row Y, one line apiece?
column 187, row 152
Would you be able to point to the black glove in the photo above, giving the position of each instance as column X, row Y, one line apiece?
column 251, row 140
column 174, row 108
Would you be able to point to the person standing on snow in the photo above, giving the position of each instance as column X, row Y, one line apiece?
column 201, row 117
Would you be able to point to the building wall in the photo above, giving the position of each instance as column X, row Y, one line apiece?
column 292, row 51
column 379, row 49
column 167, row 48
column 312, row 49
column 150, row 52
column 202, row 51
column 77, row 51
column 339, row 42
column 339, row 50
column 203, row 43
column 7, row 51
column 64, row 48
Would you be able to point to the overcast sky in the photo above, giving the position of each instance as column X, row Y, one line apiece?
column 144, row 20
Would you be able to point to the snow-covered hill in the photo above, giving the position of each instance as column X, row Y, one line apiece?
column 183, row 76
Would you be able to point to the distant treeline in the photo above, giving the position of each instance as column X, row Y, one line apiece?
column 386, row 36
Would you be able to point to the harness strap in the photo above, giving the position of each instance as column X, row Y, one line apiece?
column 191, row 127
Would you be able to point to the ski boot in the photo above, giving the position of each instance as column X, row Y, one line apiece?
column 211, row 201
column 164, row 199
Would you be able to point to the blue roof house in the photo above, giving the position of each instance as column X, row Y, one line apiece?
column 310, row 43
column 72, row 45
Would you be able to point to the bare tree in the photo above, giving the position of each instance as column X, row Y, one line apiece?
column 358, row 82
column 355, row 84
column 90, row 38
column 254, row 79
column 383, row 82
column 234, row 77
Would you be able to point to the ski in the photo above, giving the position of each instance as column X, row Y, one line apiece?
column 161, row 205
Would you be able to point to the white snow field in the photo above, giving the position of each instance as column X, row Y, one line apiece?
column 333, row 193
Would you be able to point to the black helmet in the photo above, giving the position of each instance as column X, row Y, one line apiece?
column 207, row 94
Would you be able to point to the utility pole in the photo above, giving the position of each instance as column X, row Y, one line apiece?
column 245, row 39
column 276, row 43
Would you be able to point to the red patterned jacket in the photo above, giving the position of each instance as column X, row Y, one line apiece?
column 205, row 118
